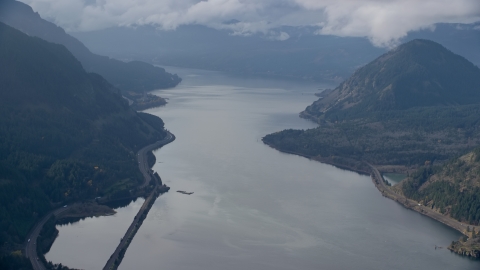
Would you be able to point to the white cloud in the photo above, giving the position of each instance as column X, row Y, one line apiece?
column 385, row 21
column 382, row 21
column 281, row 36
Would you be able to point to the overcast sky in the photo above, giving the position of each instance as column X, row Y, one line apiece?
column 382, row 21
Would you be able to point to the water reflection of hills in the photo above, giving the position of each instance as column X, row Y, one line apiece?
column 120, row 203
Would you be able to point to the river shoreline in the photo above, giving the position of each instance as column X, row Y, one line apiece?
column 329, row 161
column 387, row 192
column 158, row 189
column 88, row 209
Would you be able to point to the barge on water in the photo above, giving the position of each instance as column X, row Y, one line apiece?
column 184, row 192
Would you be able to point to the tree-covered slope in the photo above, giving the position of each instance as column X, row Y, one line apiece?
column 132, row 76
column 452, row 189
column 417, row 102
column 65, row 134
column 416, row 74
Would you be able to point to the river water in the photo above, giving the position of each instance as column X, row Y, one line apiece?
column 254, row 207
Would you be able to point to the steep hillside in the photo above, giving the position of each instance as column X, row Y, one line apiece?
column 416, row 103
column 132, row 76
column 66, row 134
column 453, row 188
column 419, row 73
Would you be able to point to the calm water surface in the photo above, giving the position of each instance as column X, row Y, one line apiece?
column 254, row 207
column 394, row 178
column 89, row 243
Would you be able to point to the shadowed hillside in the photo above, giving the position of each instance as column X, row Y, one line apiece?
column 132, row 76
column 67, row 135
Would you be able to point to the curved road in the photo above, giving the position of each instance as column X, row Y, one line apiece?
column 142, row 157
column 31, row 247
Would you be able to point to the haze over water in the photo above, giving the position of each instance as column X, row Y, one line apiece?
column 256, row 208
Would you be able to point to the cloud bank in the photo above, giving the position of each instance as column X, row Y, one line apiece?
column 384, row 22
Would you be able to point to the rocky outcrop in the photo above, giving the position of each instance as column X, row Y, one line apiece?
column 468, row 248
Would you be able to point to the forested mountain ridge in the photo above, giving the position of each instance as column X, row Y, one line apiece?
column 66, row 134
column 419, row 73
column 417, row 103
column 453, row 188
column 132, row 76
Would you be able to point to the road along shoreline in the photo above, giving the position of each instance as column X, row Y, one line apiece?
column 387, row 192
column 31, row 245
column 468, row 246
column 159, row 188
column 30, row 249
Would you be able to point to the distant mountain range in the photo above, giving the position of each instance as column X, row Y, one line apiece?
column 127, row 76
column 304, row 55
column 67, row 135
column 301, row 54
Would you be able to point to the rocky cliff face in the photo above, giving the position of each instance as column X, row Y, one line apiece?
column 469, row 248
